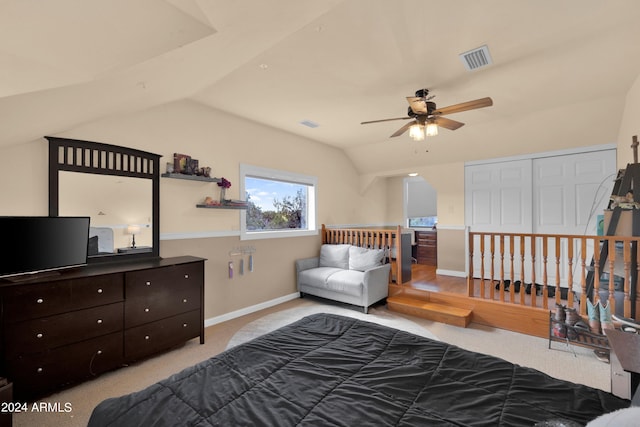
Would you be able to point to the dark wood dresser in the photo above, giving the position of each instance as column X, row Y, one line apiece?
column 71, row 326
column 427, row 247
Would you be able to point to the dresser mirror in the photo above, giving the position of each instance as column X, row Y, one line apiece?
column 117, row 187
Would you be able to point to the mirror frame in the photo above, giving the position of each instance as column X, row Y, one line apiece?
column 74, row 155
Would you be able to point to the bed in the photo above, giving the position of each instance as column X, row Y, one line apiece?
column 330, row 370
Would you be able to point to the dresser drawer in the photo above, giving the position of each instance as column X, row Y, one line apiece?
column 38, row 335
column 148, row 339
column 97, row 290
column 426, row 238
column 29, row 302
column 163, row 292
column 46, row 299
column 34, row 375
column 427, row 244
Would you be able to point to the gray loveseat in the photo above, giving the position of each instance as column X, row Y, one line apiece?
column 345, row 273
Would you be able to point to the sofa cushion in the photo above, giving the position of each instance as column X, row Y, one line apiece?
column 334, row 256
column 347, row 282
column 363, row 259
column 317, row 277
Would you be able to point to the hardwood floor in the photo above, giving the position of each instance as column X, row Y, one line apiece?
column 424, row 277
column 427, row 292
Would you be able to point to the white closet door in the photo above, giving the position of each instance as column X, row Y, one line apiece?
column 497, row 198
column 569, row 193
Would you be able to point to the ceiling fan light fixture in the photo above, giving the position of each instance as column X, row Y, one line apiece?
column 431, row 129
column 416, row 132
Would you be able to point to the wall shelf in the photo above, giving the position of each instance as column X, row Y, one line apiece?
column 221, row 206
column 190, row 177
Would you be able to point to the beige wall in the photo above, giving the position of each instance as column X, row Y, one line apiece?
column 272, row 278
column 222, row 142
column 629, row 125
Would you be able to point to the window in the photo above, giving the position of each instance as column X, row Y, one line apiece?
column 420, row 200
column 423, row 221
column 280, row 203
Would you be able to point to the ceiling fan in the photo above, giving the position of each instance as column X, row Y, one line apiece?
column 427, row 117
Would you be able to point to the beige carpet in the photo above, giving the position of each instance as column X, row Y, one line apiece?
column 525, row 350
column 274, row 321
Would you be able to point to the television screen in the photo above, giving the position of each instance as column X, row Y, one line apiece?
column 36, row 244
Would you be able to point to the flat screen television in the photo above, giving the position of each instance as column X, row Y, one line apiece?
column 38, row 244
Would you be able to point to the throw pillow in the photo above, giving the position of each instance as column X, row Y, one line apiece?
column 334, row 256
column 363, row 259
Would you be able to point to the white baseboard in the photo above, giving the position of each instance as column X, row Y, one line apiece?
column 249, row 310
column 451, row 273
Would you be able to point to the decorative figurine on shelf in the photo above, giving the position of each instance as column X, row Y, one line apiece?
column 210, row 201
column 206, row 172
column 223, row 184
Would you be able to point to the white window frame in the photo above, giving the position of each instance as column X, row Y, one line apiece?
column 279, row 175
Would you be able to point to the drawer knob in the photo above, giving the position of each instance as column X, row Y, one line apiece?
column 39, row 370
column 99, row 352
column 146, row 310
column 147, row 337
column 148, row 283
column 100, row 290
column 184, row 325
column 39, row 301
column 184, row 300
column 99, row 321
column 39, row 335
column 186, row 276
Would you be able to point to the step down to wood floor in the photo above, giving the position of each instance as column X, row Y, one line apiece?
column 437, row 312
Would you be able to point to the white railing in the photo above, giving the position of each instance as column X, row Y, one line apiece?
column 554, row 268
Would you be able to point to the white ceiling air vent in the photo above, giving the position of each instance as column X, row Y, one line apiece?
column 476, row 58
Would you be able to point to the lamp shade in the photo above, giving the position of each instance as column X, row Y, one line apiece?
column 416, row 132
column 432, row 129
column 133, row 229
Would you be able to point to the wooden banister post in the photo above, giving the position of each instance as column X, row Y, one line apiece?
column 399, row 254
column 570, row 244
column 470, row 279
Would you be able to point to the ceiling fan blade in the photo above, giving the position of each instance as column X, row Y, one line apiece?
column 385, row 120
column 403, row 129
column 465, row 106
column 417, row 104
column 448, row 123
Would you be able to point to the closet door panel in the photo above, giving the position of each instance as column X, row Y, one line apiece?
column 497, row 198
column 569, row 192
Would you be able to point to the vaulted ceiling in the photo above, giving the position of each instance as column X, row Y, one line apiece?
column 560, row 72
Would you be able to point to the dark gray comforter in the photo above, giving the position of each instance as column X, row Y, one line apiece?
column 328, row 370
